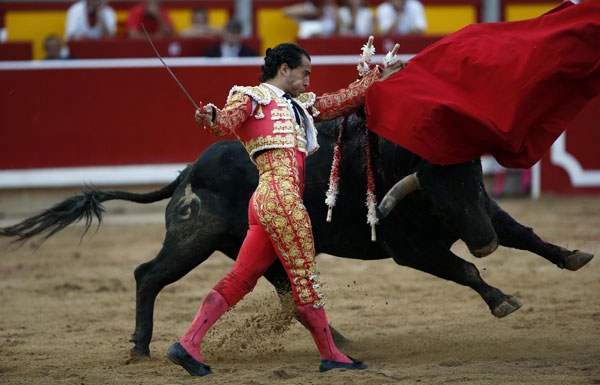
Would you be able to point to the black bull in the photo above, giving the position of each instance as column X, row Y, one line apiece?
column 208, row 212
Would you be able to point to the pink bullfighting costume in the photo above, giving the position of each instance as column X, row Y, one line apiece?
column 264, row 121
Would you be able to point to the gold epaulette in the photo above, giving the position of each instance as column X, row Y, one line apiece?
column 259, row 94
column 307, row 99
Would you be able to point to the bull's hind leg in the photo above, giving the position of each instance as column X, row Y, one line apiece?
column 513, row 234
column 445, row 264
column 172, row 262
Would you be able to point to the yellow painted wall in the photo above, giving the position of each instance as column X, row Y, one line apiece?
column 34, row 26
column 445, row 19
column 273, row 28
column 514, row 12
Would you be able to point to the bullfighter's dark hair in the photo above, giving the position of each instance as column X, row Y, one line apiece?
column 283, row 53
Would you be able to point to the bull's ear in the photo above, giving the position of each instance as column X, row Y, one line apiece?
column 401, row 189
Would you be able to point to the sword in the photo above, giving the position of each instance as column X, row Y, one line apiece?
column 172, row 74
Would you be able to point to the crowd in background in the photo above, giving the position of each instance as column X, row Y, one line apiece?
column 355, row 17
column 96, row 19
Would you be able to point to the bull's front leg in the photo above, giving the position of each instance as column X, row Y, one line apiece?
column 442, row 263
column 513, row 234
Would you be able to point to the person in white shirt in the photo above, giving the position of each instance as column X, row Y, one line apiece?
column 355, row 18
column 90, row 19
column 401, row 17
column 314, row 17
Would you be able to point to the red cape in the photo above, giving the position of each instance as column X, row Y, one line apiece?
column 506, row 89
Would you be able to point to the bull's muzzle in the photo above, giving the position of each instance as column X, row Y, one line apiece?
column 486, row 250
column 401, row 189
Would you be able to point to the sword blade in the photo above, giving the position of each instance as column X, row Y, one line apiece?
column 168, row 69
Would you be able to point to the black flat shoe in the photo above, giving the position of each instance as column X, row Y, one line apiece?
column 180, row 356
column 329, row 364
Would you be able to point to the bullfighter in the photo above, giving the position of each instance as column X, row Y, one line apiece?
column 275, row 123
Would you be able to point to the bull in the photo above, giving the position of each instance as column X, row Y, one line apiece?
column 434, row 207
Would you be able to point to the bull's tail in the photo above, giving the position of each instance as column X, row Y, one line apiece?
column 85, row 206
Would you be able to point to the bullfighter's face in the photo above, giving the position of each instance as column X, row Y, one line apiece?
column 297, row 79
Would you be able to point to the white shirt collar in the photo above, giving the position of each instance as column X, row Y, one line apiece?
column 278, row 91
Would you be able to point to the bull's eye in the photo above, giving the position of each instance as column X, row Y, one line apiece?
column 185, row 211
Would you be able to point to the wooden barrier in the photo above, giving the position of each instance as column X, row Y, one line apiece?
column 121, row 112
column 140, row 48
column 126, row 121
column 572, row 166
column 16, row 51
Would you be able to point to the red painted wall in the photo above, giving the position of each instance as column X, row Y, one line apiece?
column 118, row 116
column 583, row 143
column 129, row 116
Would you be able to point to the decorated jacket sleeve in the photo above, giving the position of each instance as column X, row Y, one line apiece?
column 232, row 116
column 345, row 101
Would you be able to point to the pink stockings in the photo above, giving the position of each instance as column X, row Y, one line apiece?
column 315, row 321
column 212, row 309
column 256, row 255
column 215, row 305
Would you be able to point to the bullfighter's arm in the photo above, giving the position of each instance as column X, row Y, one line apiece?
column 237, row 110
column 345, row 101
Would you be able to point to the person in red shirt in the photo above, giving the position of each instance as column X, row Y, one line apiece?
column 153, row 16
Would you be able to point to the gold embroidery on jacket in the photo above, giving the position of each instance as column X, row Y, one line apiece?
column 231, row 117
column 280, row 113
column 259, row 93
column 284, row 126
column 269, row 141
column 344, row 101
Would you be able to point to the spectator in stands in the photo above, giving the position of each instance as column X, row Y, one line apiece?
column 401, row 17
column 355, row 18
column 231, row 43
column 314, row 17
column 55, row 49
column 153, row 16
column 90, row 19
column 199, row 26
column 3, row 31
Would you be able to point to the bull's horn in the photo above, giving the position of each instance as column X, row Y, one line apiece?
column 401, row 189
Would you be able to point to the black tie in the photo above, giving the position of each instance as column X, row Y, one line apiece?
column 295, row 107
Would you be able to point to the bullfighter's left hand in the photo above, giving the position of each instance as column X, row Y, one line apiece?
column 392, row 69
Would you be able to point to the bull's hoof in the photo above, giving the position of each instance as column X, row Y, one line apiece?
column 508, row 305
column 577, row 260
column 137, row 353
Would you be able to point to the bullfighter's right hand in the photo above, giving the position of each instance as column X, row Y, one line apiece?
column 205, row 115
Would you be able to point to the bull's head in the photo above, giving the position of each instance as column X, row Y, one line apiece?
column 457, row 198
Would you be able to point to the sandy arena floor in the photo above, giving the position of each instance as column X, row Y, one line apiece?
column 67, row 312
